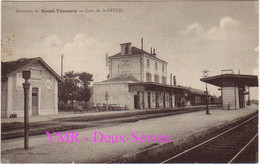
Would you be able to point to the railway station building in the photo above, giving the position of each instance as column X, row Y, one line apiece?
column 43, row 93
column 137, row 80
column 235, row 90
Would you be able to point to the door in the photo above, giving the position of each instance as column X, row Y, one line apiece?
column 136, row 101
column 149, row 99
column 156, row 100
column 35, row 101
column 170, row 100
column 241, row 98
column 163, row 100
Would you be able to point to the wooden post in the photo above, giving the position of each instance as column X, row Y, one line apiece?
column 207, row 102
column 26, row 87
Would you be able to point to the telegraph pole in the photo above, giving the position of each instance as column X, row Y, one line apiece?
column 26, row 87
column 62, row 56
column 205, row 75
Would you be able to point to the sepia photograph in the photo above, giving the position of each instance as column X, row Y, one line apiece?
column 129, row 81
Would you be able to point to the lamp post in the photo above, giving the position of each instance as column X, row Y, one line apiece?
column 26, row 87
column 106, row 97
column 205, row 75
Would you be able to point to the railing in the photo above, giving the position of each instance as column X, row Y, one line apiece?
column 226, row 70
column 111, row 107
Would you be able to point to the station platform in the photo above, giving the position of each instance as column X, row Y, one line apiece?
column 41, row 118
column 177, row 126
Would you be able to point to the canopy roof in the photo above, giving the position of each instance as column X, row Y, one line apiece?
column 141, row 86
column 236, row 79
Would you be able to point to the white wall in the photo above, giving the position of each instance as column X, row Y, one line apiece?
column 151, row 69
column 230, row 97
column 48, row 94
column 131, row 65
column 118, row 94
column 126, row 66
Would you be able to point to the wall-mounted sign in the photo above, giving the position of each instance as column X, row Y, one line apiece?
column 48, row 84
column 125, row 62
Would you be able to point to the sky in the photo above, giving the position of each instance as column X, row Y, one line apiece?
column 190, row 36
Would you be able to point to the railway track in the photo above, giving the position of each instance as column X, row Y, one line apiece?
column 238, row 144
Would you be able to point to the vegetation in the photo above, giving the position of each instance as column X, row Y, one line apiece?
column 75, row 88
column 254, row 102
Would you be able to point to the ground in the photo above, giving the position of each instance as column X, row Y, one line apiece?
column 177, row 126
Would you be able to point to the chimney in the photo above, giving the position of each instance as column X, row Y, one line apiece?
column 174, row 81
column 171, row 79
column 125, row 48
column 151, row 50
column 142, row 44
column 154, row 52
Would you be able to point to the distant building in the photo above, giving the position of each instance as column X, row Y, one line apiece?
column 43, row 97
column 137, row 80
column 195, row 96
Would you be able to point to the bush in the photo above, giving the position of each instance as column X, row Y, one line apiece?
column 14, row 115
column 87, row 105
column 254, row 102
column 63, row 106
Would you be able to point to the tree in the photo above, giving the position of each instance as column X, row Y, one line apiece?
column 84, row 92
column 85, row 78
column 75, row 87
column 68, row 87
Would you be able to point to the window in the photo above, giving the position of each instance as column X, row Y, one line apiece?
column 155, row 65
column 156, row 78
column 163, row 79
column 148, row 77
column 126, row 50
column 148, row 63
column 163, row 68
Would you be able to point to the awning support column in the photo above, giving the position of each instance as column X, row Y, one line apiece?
column 143, row 103
column 249, row 103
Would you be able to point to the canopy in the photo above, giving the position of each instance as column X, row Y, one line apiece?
column 141, row 86
column 234, row 79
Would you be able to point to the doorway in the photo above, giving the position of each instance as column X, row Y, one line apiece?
column 156, row 100
column 136, row 101
column 164, row 100
column 241, row 98
column 35, row 101
column 149, row 99
column 170, row 100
